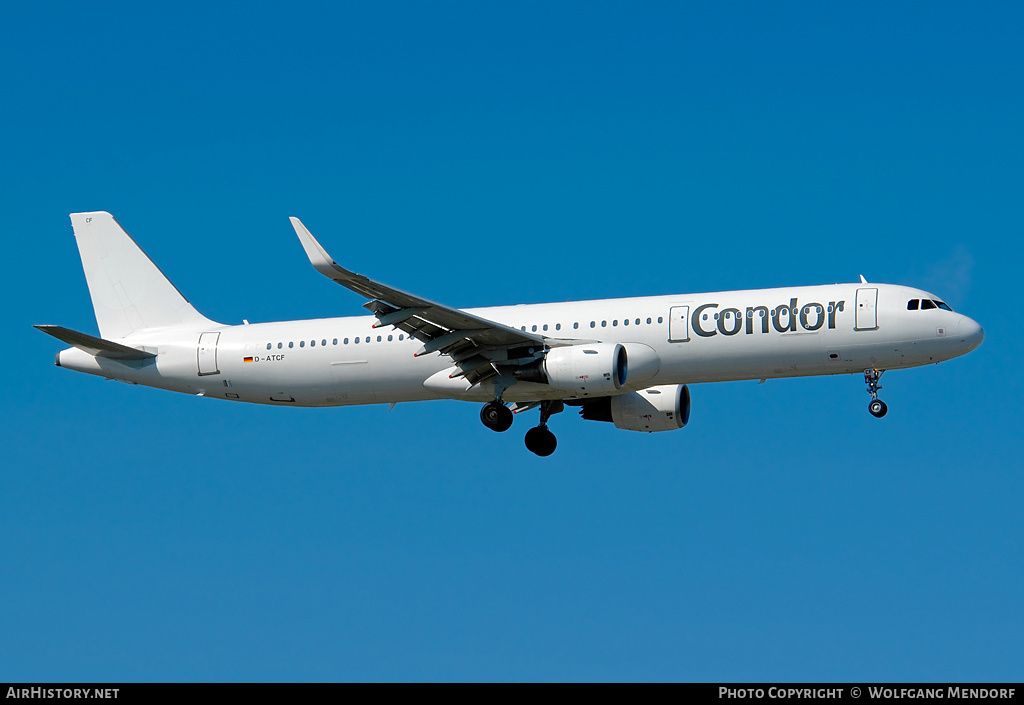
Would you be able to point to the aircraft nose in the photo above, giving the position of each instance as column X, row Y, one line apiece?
column 971, row 334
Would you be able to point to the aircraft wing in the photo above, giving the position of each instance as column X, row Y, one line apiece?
column 477, row 345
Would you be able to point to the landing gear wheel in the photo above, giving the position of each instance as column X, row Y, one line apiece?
column 877, row 407
column 541, row 441
column 496, row 416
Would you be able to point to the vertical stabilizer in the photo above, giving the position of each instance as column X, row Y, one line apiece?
column 129, row 293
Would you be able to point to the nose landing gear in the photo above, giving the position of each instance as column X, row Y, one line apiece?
column 876, row 407
column 539, row 439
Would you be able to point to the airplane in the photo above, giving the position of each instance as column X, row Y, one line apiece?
column 626, row 361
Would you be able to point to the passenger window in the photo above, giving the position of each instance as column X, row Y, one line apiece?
column 401, row 337
column 291, row 344
column 533, row 328
column 390, row 338
column 615, row 323
column 625, row 321
column 913, row 304
column 926, row 304
column 356, row 340
column 660, row 319
column 545, row 326
column 575, row 326
column 638, row 321
column 302, row 343
column 648, row 321
column 367, row 339
column 324, row 342
column 593, row 324
column 378, row 338
column 312, row 343
column 944, row 307
column 280, row 345
column 335, row 341
column 268, row 346
column 558, row 326
column 604, row 324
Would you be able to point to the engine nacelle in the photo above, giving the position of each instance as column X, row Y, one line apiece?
column 662, row 408
column 586, row 370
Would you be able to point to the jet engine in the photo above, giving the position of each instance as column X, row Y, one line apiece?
column 662, row 408
column 580, row 370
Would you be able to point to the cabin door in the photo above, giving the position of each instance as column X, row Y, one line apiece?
column 867, row 302
column 208, row 354
column 679, row 324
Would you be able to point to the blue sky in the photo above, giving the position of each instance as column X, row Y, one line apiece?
column 482, row 155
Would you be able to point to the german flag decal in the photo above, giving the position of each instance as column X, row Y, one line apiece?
column 246, row 359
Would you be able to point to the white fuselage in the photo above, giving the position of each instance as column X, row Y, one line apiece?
column 681, row 339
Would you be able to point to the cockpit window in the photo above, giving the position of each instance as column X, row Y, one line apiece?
column 927, row 304
column 912, row 304
column 944, row 307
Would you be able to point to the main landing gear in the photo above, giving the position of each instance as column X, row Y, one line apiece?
column 876, row 407
column 496, row 416
column 539, row 439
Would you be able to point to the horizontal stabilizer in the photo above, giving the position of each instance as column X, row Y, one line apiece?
column 97, row 347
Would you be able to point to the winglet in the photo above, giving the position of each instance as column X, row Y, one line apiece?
column 318, row 256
